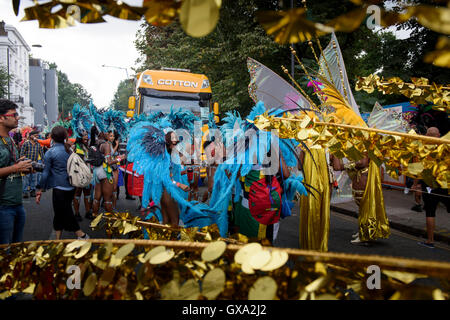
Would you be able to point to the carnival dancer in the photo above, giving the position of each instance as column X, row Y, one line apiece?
column 256, row 167
column 103, row 173
column 113, row 143
column 169, row 208
column 153, row 148
column 103, row 176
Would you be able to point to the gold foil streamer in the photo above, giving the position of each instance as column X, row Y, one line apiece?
column 398, row 153
column 121, row 224
column 290, row 26
column 419, row 90
column 199, row 17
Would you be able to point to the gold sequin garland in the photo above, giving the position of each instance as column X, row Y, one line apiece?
column 137, row 270
column 122, row 224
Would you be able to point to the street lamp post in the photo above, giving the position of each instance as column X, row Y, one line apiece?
column 126, row 70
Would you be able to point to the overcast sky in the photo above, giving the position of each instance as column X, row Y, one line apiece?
column 80, row 51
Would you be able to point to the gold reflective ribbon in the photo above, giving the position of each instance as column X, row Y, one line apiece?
column 315, row 210
column 373, row 222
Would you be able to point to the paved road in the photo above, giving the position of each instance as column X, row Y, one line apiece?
column 39, row 227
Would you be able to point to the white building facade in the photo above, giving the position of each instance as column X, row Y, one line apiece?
column 43, row 93
column 14, row 56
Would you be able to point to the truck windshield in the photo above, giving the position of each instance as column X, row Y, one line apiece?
column 152, row 104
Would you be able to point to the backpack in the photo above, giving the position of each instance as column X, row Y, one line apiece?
column 264, row 201
column 79, row 172
column 95, row 157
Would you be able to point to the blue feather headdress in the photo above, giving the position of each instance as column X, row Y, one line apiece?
column 182, row 119
column 242, row 135
column 81, row 122
column 115, row 119
column 99, row 121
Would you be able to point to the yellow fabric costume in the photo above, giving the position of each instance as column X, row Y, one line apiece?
column 373, row 222
column 315, row 210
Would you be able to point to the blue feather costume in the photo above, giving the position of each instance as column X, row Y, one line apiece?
column 147, row 150
column 245, row 146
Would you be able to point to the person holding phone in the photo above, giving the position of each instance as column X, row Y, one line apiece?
column 12, row 167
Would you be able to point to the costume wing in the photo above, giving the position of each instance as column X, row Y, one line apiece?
column 331, row 63
column 265, row 85
column 383, row 119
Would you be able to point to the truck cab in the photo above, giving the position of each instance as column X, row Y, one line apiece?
column 161, row 90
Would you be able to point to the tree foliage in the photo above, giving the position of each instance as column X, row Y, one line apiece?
column 69, row 93
column 222, row 54
column 123, row 92
column 4, row 81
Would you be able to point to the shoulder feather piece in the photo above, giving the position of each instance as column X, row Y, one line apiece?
column 98, row 118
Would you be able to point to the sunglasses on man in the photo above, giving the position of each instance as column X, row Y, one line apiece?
column 15, row 115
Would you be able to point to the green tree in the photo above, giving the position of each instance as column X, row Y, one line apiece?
column 413, row 49
column 123, row 92
column 4, row 82
column 221, row 55
column 69, row 93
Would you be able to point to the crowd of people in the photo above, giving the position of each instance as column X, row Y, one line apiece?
column 34, row 163
column 253, row 199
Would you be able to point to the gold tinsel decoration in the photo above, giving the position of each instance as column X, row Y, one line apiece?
column 419, row 90
column 409, row 154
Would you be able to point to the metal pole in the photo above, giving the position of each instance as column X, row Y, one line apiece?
column 7, row 59
column 292, row 55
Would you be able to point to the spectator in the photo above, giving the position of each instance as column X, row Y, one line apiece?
column 32, row 150
column 17, row 136
column 12, row 214
column 431, row 198
column 81, row 148
column 55, row 176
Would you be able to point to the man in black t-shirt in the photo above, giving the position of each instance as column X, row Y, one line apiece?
column 431, row 198
column 12, row 214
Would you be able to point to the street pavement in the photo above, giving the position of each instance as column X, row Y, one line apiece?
column 400, row 244
column 398, row 210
